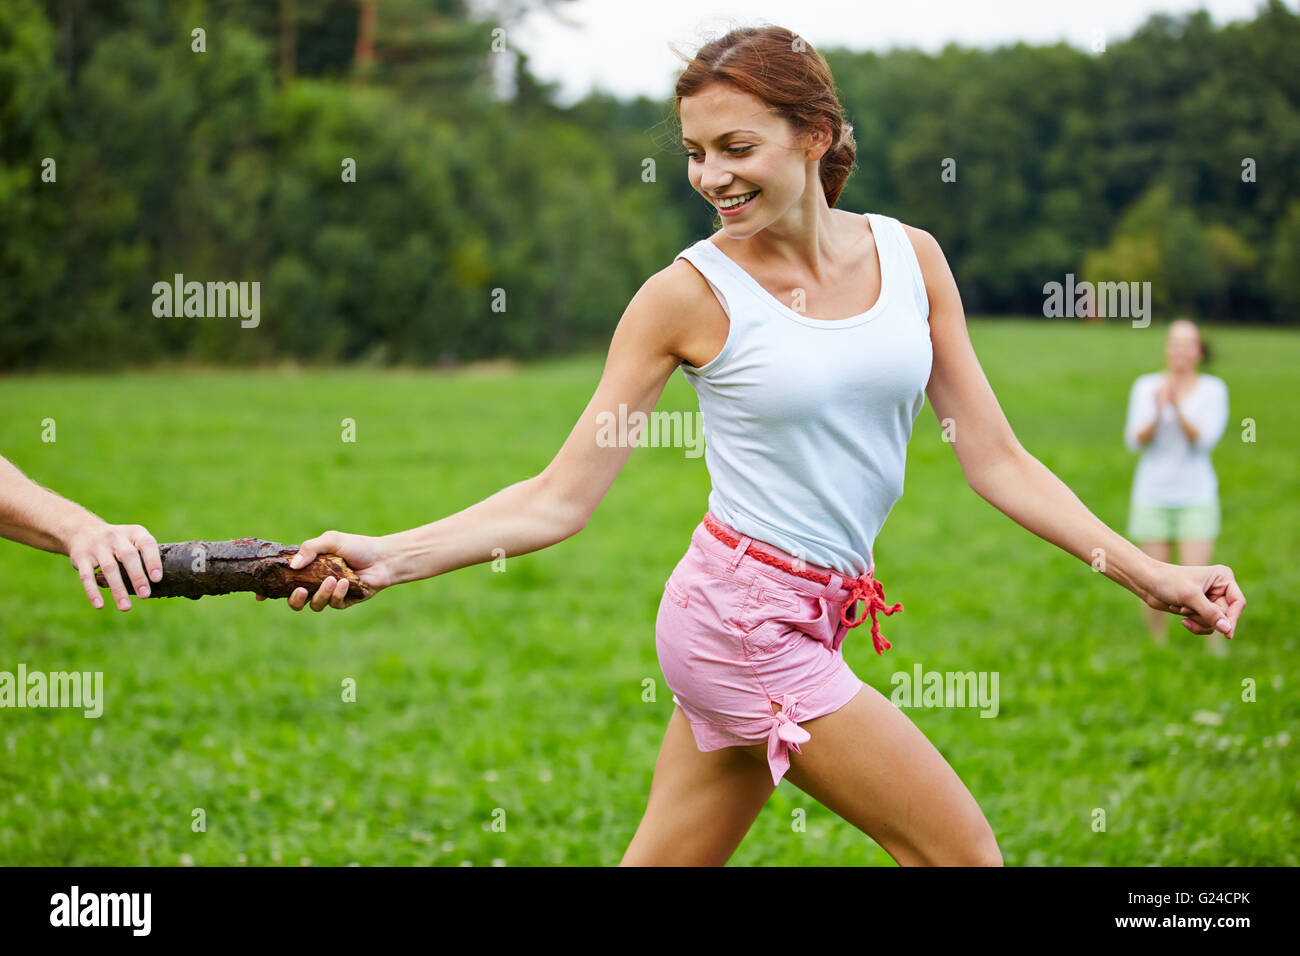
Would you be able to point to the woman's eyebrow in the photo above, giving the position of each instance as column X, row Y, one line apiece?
column 734, row 132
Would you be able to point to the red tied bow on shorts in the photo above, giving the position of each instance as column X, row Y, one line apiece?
column 862, row 588
column 867, row 588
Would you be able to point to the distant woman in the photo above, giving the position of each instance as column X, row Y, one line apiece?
column 812, row 336
column 1175, row 418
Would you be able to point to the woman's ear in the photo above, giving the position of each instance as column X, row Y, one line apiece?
column 819, row 140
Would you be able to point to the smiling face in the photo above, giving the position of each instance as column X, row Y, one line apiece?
column 1183, row 347
column 737, row 146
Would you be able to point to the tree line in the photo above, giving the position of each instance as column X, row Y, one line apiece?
column 402, row 189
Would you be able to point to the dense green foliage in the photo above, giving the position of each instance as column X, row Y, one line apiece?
column 523, row 690
column 484, row 223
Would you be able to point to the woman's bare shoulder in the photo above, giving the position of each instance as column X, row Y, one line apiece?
column 928, row 254
column 924, row 243
column 675, row 306
column 679, row 288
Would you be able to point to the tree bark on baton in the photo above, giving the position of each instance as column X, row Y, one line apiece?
column 195, row 569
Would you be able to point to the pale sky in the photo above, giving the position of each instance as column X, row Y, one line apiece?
column 621, row 46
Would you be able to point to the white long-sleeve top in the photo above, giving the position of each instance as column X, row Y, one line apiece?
column 1174, row 471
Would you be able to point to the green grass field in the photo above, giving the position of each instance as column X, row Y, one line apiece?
column 518, row 696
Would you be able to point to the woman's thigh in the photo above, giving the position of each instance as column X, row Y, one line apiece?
column 1156, row 549
column 871, row 765
column 701, row 805
column 1195, row 552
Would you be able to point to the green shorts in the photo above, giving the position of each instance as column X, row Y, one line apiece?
column 1186, row 523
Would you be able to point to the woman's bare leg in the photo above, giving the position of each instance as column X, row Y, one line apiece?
column 1198, row 552
column 1157, row 620
column 701, row 805
column 871, row 765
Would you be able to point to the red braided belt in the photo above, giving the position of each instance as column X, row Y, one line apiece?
column 864, row 588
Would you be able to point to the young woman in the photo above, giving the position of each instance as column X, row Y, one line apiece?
column 1175, row 418
column 812, row 336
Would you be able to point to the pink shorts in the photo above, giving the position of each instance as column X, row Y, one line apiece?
column 735, row 635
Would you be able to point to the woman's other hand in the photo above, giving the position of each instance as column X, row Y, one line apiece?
column 1207, row 596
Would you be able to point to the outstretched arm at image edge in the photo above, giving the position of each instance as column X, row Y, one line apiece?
column 1004, row 474
column 35, row 516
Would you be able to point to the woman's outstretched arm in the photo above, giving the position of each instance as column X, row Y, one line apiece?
column 548, row 507
column 1004, row 474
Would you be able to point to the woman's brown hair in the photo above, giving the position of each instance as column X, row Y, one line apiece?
column 782, row 69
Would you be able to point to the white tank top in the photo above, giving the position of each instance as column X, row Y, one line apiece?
column 806, row 421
